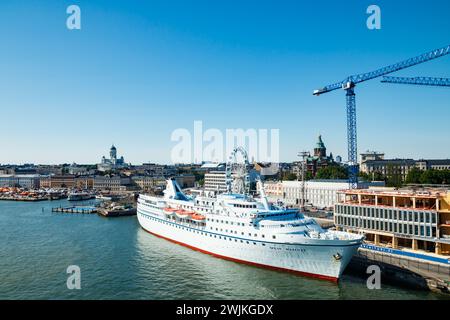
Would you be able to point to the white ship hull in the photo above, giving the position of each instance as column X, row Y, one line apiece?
column 314, row 259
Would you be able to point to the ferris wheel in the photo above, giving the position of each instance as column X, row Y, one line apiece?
column 237, row 177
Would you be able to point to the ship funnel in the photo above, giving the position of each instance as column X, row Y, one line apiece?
column 173, row 191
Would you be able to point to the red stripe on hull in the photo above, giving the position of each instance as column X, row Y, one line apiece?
column 307, row 274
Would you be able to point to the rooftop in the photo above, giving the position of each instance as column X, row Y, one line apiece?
column 431, row 193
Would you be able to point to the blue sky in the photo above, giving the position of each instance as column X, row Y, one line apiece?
column 137, row 70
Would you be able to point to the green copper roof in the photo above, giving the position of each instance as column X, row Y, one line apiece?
column 320, row 144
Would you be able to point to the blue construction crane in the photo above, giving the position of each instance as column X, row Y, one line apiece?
column 424, row 81
column 349, row 83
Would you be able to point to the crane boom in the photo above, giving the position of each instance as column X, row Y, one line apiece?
column 424, row 81
column 344, row 84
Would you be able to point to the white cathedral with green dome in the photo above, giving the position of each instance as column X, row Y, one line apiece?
column 113, row 162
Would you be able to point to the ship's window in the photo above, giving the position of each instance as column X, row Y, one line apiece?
column 274, row 237
column 262, row 235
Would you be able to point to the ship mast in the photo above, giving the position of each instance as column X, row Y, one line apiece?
column 304, row 155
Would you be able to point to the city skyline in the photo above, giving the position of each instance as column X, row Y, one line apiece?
column 137, row 71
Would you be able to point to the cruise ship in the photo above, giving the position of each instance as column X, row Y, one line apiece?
column 248, row 229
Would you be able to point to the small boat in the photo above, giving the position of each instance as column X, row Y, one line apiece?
column 79, row 196
column 198, row 217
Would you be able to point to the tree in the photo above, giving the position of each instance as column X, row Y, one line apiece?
column 414, row 175
column 309, row 175
column 432, row 176
column 332, row 172
column 364, row 176
column 394, row 176
column 289, row 176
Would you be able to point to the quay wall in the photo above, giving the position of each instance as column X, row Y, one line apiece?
column 403, row 270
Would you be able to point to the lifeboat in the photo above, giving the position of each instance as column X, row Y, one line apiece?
column 182, row 214
column 198, row 217
column 168, row 210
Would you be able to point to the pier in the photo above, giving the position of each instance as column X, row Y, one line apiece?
column 84, row 210
column 404, row 269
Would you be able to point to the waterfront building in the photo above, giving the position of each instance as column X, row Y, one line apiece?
column 84, row 182
column 58, row 181
column 29, row 181
column 404, row 219
column 147, row 183
column 318, row 193
column 113, row 162
column 400, row 167
column 111, row 183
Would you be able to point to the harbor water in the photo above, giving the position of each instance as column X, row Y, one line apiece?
column 119, row 260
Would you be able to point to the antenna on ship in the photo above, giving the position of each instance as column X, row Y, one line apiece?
column 304, row 155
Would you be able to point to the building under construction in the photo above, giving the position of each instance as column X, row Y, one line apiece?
column 400, row 219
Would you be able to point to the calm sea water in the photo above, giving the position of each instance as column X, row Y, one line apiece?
column 118, row 260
